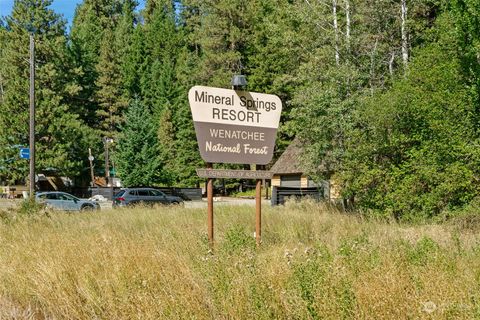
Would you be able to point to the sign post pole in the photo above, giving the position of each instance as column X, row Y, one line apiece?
column 258, row 212
column 210, row 207
column 234, row 126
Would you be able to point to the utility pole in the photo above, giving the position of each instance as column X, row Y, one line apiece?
column 32, row 118
column 107, row 163
column 91, row 158
column 108, row 179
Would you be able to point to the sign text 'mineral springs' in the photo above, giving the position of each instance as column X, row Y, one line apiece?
column 235, row 126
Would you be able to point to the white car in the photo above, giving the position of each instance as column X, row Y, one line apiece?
column 65, row 201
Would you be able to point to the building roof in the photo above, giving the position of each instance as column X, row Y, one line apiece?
column 289, row 162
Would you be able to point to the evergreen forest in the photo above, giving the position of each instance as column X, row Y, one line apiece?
column 383, row 95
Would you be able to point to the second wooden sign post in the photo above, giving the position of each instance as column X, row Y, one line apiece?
column 238, row 127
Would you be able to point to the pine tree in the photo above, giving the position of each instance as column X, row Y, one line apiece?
column 124, row 45
column 164, row 80
column 166, row 143
column 86, row 35
column 61, row 137
column 92, row 36
column 186, row 157
column 162, row 43
column 101, row 36
column 220, row 30
column 110, row 94
column 133, row 64
column 112, row 68
column 136, row 156
column 3, row 39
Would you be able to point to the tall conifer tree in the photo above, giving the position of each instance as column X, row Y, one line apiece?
column 164, row 80
column 137, row 156
column 60, row 134
column 91, row 19
column 112, row 95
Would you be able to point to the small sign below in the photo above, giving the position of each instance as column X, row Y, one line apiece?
column 25, row 153
column 235, row 126
column 233, row 174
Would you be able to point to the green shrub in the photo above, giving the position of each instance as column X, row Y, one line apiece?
column 422, row 252
column 238, row 239
column 31, row 207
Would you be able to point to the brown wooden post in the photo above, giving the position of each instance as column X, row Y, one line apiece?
column 210, row 207
column 258, row 209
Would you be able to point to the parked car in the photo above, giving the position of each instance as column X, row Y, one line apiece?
column 65, row 201
column 147, row 196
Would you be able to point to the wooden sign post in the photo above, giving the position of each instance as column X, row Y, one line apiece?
column 258, row 212
column 234, row 126
column 210, row 206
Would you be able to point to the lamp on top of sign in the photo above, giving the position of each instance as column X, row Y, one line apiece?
column 235, row 126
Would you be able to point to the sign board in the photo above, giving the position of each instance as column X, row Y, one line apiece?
column 235, row 126
column 234, row 174
column 25, row 153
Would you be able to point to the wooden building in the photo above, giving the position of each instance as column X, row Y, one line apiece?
column 290, row 180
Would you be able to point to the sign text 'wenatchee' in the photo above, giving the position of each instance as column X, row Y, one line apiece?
column 235, row 126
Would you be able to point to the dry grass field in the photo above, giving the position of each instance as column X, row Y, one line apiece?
column 314, row 263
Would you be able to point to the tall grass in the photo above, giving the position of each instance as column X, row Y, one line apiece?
column 314, row 263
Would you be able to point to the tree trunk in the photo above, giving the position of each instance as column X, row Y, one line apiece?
column 1, row 88
column 390, row 63
column 404, row 35
column 335, row 28
column 347, row 17
column 372, row 65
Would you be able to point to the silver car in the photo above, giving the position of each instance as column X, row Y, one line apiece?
column 65, row 201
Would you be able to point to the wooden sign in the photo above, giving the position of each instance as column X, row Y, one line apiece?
column 233, row 174
column 235, row 126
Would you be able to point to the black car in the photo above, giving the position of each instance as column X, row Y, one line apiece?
column 147, row 196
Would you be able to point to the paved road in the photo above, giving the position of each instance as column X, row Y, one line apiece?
column 222, row 201
column 9, row 203
column 218, row 201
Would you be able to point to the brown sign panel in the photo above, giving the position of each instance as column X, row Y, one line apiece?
column 234, row 174
column 235, row 126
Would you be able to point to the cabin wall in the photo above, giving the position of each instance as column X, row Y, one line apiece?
column 298, row 186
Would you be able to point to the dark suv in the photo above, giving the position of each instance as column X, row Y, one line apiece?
column 147, row 196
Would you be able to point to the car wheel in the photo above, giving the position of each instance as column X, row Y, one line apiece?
column 87, row 208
